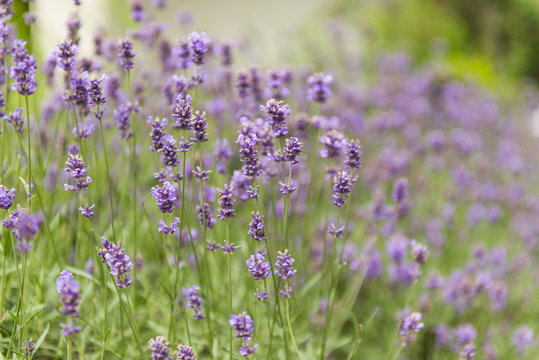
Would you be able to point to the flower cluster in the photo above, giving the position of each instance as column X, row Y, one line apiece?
column 342, row 186
column 118, row 262
column 226, row 202
column 193, row 300
column 276, row 114
column 410, row 326
column 258, row 266
column 23, row 70
column 6, row 197
column 243, row 326
column 256, row 227
column 76, row 169
column 70, row 298
column 166, row 196
column 249, row 155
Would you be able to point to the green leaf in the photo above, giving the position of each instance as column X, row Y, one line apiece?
column 41, row 339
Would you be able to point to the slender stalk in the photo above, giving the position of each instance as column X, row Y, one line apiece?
column 130, row 319
column 108, row 177
column 331, row 292
column 290, row 328
column 177, row 251
column 286, row 207
column 19, row 302
column 229, row 295
column 29, row 157
column 134, row 161
column 68, row 340
column 207, row 286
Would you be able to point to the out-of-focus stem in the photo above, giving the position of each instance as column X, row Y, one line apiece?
column 108, row 177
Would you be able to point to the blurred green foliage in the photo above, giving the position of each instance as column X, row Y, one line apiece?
column 494, row 35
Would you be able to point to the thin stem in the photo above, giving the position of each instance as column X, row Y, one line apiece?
column 108, row 177
column 68, row 340
column 130, row 320
column 286, row 207
column 290, row 329
column 29, row 158
column 331, row 293
column 207, row 286
column 229, row 296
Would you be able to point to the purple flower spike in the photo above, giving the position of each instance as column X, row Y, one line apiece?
column 126, row 54
column 199, row 46
column 256, row 227
column 118, row 262
column 410, row 326
column 258, row 266
column 66, row 55
column 342, row 186
column 193, row 300
column 276, row 114
column 319, row 90
column 6, row 197
column 70, row 298
column 23, row 69
column 183, row 112
column 166, row 196
column 185, row 353
column 284, row 265
column 76, row 169
column 160, row 349
column 249, row 155
column 226, row 202
column 353, row 154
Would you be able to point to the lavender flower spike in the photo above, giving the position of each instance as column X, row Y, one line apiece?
column 118, row 262
column 160, row 349
column 319, row 90
column 126, row 54
column 193, row 300
column 284, row 265
column 166, row 197
column 70, row 298
column 226, row 201
column 258, row 266
column 185, row 353
column 6, row 197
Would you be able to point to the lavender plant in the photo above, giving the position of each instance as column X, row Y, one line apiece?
column 326, row 206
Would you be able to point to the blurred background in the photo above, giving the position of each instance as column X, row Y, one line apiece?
column 483, row 38
column 492, row 42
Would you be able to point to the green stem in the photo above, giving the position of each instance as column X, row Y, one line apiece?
column 29, row 158
column 229, row 297
column 290, row 329
column 207, row 286
column 331, row 292
column 286, row 207
column 130, row 319
column 108, row 177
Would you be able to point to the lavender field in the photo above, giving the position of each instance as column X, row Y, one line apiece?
column 168, row 192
